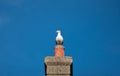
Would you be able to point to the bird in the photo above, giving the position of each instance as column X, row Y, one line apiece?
column 59, row 38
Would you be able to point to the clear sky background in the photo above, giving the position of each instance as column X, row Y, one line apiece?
column 91, row 31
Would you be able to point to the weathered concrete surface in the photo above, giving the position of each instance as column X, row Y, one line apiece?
column 58, row 66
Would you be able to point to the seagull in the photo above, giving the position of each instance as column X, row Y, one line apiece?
column 59, row 38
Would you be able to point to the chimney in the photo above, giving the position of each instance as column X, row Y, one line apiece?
column 59, row 51
column 58, row 65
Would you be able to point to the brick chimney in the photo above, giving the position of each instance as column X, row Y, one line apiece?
column 59, row 50
column 58, row 65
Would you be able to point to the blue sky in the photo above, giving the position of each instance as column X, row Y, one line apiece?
column 91, row 31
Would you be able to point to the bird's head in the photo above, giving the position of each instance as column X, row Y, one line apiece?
column 58, row 31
